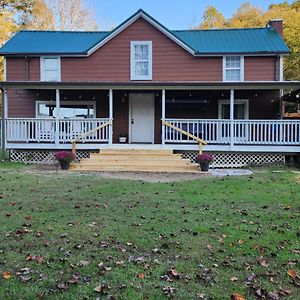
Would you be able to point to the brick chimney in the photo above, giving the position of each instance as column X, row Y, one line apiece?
column 276, row 24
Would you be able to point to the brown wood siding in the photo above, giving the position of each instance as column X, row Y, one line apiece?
column 16, row 69
column 261, row 68
column 170, row 62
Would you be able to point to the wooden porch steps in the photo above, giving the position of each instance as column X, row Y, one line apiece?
column 135, row 160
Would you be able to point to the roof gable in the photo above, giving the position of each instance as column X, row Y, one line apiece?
column 142, row 14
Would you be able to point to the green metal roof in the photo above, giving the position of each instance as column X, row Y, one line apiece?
column 52, row 42
column 248, row 40
column 201, row 42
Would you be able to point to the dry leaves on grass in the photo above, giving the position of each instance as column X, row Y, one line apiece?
column 6, row 275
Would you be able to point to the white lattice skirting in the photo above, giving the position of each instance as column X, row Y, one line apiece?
column 40, row 157
column 237, row 160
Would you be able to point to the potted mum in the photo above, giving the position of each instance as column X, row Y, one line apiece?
column 64, row 158
column 122, row 138
column 204, row 161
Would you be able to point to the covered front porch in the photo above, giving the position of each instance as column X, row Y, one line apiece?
column 237, row 117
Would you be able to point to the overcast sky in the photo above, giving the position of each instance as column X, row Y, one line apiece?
column 175, row 14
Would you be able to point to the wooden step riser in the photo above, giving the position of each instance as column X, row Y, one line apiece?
column 134, row 169
column 135, row 152
column 136, row 163
column 133, row 159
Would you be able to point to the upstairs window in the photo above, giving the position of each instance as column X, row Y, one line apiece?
column 141, row 60
column 233, row 68
column 50, row 69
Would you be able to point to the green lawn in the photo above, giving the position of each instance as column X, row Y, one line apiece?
column 62, row 236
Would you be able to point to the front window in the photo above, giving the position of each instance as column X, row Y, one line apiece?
column 233, row 68
column 67, row 110
column 241, row 109
column 50, row 69
column 141, row 60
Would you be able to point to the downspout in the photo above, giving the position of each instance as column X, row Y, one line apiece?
column 3, row 127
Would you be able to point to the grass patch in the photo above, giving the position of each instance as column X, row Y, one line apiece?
column 64, row 235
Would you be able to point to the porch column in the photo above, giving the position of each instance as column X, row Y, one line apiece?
column 163, row 115
column 110, row 128
column 231, row 118
column 4, row 117
column 57, row 107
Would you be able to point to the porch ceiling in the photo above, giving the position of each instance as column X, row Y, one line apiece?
column 188, row 85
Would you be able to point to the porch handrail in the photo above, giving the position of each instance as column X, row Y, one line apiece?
column 201, row 142
column 87, row 133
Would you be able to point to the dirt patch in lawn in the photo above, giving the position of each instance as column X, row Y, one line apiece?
column 138, row 176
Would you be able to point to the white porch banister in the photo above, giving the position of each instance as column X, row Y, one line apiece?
column 245, row 132
column 25, row 130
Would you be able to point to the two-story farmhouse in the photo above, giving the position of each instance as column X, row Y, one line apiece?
column 150, row 85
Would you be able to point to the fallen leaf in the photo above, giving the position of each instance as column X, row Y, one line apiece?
column 293, row 274
column 102, row 289
column 84, row 263
column 233, row 279
column 6, row 275
column 273, row 296
column 141, row 275
column 237, row 296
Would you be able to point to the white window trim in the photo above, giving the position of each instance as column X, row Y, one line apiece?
column 281, row 68
column 140, row 77
column 4, row 68
column 242, row 62
column 93, row 103
column 42, row 73
column 236, row 101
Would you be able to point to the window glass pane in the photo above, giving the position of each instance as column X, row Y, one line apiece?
column 66, row 111
column 233, row 75
column 141, row 68
column 233, row 61
column 50, row 63
column 51, row 75
column 239, row 111
column 141, row 52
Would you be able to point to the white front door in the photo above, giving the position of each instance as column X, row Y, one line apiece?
column 141, row 118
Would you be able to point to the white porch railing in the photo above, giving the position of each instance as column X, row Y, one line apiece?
column 246, row 132
column 25, row 130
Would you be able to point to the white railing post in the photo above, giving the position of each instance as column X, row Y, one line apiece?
column 163, row 115
column 231, row 118
column 110, row 131
column 4, row 124
column 57, row 108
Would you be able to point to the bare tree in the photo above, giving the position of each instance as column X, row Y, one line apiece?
column 72, row 15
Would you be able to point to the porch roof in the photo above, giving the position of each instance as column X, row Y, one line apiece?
column 153, row 85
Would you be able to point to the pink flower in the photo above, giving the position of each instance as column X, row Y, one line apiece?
column 204, row 157
column 64, row 156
